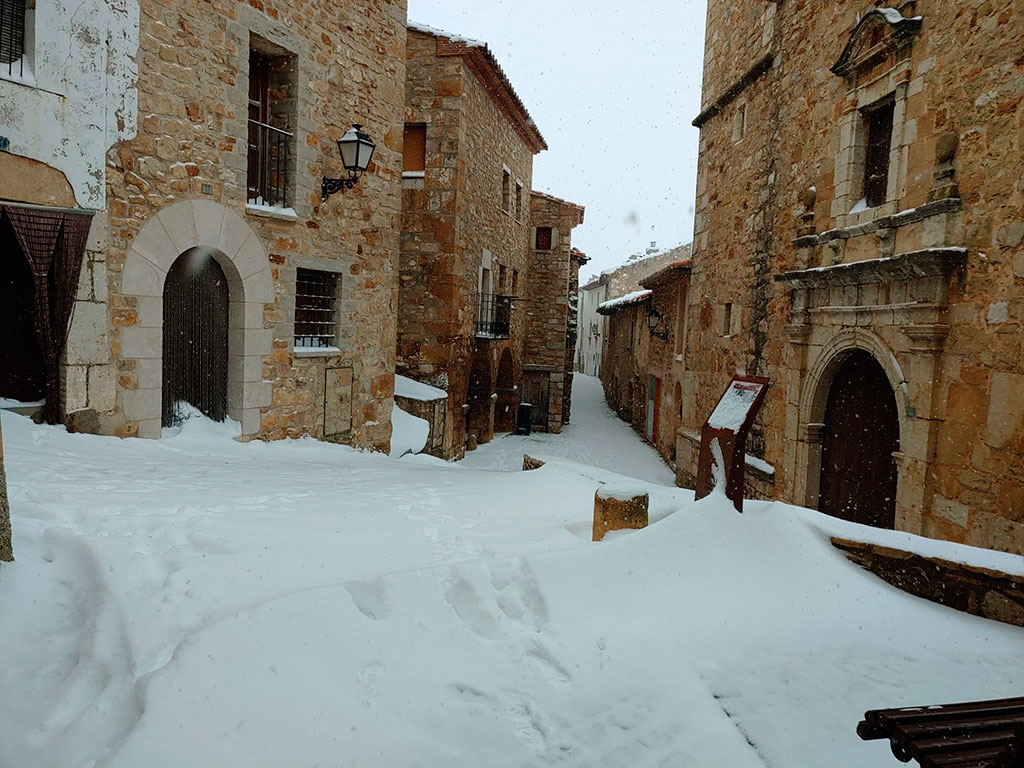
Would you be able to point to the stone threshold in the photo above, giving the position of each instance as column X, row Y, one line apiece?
column 979, row 591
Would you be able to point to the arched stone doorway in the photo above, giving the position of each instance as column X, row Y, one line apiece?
column 508, row 395
column 195, row 337
column 237, row 250
column 480, row 416
column 21, row 360
column 861, row 432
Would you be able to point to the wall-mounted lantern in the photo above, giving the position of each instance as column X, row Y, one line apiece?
column 356, row 150
column 653, row 321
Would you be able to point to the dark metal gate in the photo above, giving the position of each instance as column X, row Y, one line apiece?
column 195, row 346
column 858, row 471
column 21, row 361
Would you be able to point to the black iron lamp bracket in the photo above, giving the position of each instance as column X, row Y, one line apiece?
column 329, row 186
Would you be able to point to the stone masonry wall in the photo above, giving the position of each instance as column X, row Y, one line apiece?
column 192, row 147
column 435, row 412
column 626, row 278
column 623, row 364
column 774, row 128
column 452, row 223
column 547, row 304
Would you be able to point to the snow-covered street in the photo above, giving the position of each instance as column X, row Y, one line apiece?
column 195, row 601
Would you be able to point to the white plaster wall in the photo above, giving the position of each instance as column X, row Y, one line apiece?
column 81, row 95
column 588, row 303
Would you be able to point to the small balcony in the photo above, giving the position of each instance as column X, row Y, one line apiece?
column 269, row 165
column 493, row 316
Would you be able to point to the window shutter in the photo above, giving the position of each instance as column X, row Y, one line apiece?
column 12, row 30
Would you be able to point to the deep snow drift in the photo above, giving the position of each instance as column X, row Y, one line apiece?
column 197, row 602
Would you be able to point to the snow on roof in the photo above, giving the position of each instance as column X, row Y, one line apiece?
column 481, row 62
column 614, row 305
column 436, row 32
column 417, row 390
column 665, row 272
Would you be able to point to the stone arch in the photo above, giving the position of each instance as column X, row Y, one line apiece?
column 814, row 399
column 226, row 236
column 508, row 394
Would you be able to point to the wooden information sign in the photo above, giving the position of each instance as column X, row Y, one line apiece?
column 723, row 439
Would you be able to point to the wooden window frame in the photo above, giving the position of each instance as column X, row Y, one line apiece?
column 414, row 149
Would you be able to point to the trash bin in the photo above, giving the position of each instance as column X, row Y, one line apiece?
column 524, row 416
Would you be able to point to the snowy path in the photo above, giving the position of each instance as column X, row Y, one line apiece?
column 195, row 601
column 596, row 437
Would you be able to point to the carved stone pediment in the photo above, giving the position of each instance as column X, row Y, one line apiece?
column 909, row 291
column 929, row 262
column 879, row 34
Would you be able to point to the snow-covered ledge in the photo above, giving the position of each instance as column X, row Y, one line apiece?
column 271, row 212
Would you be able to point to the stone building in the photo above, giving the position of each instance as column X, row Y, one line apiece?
column 215, row 273
column 642, row 360
column 611, row 284
column 858, row 240
column 67, row 95
column 591, row 325
column 477, row 278
column 551, row 312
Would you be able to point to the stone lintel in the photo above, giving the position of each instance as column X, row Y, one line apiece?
column 928, row 262
column 894, row 221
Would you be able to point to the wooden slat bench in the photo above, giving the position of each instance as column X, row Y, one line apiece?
column 979, row 734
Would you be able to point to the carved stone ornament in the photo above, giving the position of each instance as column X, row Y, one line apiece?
column 881, row 32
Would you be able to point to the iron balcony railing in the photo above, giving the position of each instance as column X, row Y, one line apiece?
column 269, row 162
column 493, row 316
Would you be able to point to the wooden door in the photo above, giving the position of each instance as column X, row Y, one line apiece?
column 195, row 347
column 653, row 398
column 536, row 385
column 858, row 470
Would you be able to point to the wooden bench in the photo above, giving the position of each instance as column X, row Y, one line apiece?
column 979, row 734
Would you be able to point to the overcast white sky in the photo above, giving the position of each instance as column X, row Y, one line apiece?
column 613, row 87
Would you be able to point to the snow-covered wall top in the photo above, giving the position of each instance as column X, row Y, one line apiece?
column 417, row 390
column 613, row 305
column 74, row 93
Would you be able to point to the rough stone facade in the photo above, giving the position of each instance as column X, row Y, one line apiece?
column 184, row 182
column 550, row 307
column 460, row 237
column 642, row 366
column 859, row 194
column 467, row 224
column 610, row 285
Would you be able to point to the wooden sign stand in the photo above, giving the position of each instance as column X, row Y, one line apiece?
column 727, row 427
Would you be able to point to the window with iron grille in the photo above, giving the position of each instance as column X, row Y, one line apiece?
column 273, row 86
column 315, row 308
column 12, row 37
